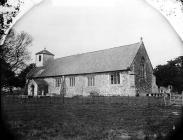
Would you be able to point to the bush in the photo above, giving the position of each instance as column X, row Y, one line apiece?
column 94, row 93
column 77, row 96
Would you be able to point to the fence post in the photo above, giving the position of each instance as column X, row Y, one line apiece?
column 170, row 98
column 164, row 96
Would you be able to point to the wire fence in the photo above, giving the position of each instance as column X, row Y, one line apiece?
column 44, row 100
column 176, row 99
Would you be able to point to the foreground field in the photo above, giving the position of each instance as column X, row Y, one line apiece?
column 103, row 118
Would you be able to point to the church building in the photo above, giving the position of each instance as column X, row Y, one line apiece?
column 123, row 71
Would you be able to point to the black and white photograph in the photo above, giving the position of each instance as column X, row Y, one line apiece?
column 91, row 69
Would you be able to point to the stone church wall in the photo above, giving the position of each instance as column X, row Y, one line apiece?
column 102, row 85
column 143, row 84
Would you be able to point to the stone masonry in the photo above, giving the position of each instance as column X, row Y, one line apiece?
column 143, row 84
column 102, row 85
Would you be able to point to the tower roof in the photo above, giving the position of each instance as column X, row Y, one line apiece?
column 45, row 52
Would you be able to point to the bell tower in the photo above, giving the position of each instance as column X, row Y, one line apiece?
column 43, row 57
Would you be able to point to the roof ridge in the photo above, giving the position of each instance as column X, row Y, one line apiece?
column 97, row 51
column 110, row 59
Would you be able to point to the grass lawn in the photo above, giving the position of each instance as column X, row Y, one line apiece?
column 104, row 118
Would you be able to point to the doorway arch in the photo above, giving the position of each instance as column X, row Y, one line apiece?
column 32, row 90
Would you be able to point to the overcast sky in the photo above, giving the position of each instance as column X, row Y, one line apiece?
column 67, row 27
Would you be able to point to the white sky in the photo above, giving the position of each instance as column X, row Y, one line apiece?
column 172, row 10
column 67, row 27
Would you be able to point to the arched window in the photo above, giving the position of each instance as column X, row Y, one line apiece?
column 142, row 68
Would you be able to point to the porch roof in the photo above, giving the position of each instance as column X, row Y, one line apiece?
column 41, row 82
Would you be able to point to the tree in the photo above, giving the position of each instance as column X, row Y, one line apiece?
column 13, row 56
column 9, row 11
column 7, row 76
column 22, row 76
column 171, row 74
column 14, row 51
column 181, row 1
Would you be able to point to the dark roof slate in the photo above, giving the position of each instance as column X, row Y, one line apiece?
column 113, row 59
column 41, row 82
column 45, row 52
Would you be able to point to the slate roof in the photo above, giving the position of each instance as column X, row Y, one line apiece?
column 113, row 59
column 45, row 52
column 41, row 82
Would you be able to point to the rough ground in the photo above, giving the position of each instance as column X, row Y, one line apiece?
column 99, row 118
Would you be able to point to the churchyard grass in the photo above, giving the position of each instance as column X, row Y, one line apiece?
column 88, row 118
